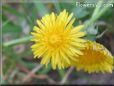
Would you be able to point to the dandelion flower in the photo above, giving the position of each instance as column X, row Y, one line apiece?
column 95, row 58
column 56, row 40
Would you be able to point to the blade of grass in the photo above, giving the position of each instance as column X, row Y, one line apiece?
column 34, row 70
column 27, row 12
column 41, row 8
column 12, row 11
column 5, row 23
column 100, row 35
column 64, row 79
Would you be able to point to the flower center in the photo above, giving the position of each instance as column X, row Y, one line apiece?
column 55, row 40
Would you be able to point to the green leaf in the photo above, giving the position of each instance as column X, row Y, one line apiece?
column 80, row 12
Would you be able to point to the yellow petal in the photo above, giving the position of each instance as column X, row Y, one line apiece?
column 77, row 29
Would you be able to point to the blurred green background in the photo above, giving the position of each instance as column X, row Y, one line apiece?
column 18, row 19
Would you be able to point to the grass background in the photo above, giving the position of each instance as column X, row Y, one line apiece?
column 18, row 65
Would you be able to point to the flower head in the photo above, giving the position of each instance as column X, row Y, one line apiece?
column 56, row 40
column 95, row 58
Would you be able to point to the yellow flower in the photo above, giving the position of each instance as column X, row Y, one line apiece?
column 56, row 40
column 95, row 58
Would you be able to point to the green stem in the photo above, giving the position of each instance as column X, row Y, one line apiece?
column 97, row 9
column 96, row 15
column 17, row 41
